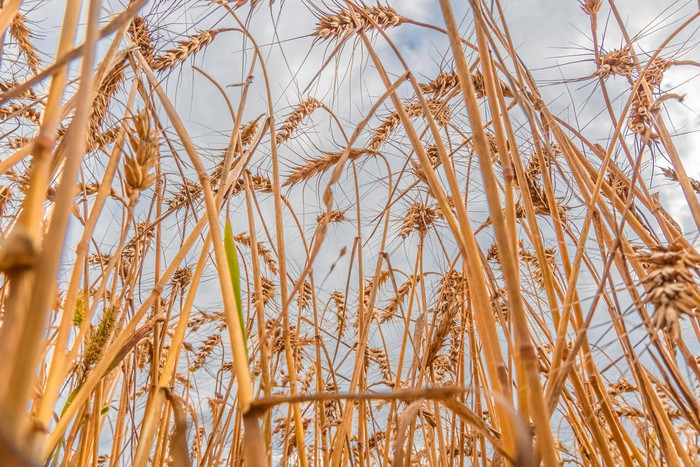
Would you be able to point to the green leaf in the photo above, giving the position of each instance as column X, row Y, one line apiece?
column 232, row 259
column 71, row 397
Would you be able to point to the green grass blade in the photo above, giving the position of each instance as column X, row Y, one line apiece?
column 232, row 259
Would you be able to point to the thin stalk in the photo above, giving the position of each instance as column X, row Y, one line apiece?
column 240, row 359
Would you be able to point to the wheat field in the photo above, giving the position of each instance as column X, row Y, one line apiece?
column 327, row 233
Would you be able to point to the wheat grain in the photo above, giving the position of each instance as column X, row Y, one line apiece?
column 591, row 7
column 98, row 339
column 640, row 118
column 5, row 198
column 206, row 349
column 181, row 279
column 259, row 183
column 617, row 62
column 268, row 288
column 314, row 167
column 333, row 217
column 187, row 47
column 263, row 251
column 20, row 31
column 6, row 86
column 445, row 83
column 438, row 108
column 141, row 37
column 343, row 23
column 379, row 357
column 442, row 85
column 418, row 218
column 145, row 153
column 20, row 110
column 189, row 192
column 18, row 143
column 435, row 161
column 304, row 110
column 248, row 132
column 340, row 309
column 103, row 139
column 109, row 86
column 672, row 175
column 670, row 286
column 304, row 297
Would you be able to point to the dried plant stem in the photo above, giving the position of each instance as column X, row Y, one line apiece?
column 155, row 404
column 148, row 430
column 529, row 387
column 7, row 14
column 58, row 365
column 525, row 355
column 258, row 303
column 28, row 335
column 444, row 392
column 468, row 248
column 521, row 177
column 128, row 332
column 291, row 366
column 525, row 352
column 594, row 374
column 242, row 371
column 683, row 178
column 402, row 353
column 7, row 163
